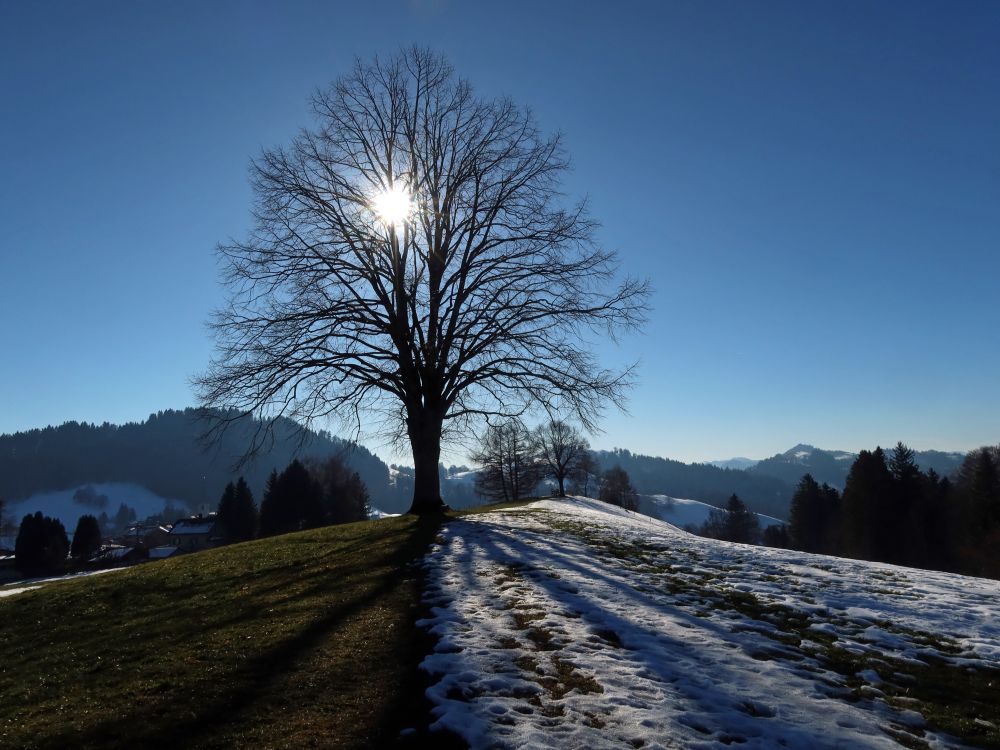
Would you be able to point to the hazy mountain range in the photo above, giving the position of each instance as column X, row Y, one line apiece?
column 832, row 466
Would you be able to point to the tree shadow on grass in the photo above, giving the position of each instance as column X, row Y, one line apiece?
column 346, row 678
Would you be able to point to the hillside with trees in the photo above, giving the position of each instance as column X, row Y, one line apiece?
column 167, row 454
column 892, row 511
column 710, row 484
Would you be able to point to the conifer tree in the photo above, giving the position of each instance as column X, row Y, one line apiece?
column 293, row 501
column 245, row 514
column 41, row 545
column 86, row 538
column 270, row 506
column 977, row 487
column 866, row 504
column 226, row 510
column 805, row 524
column 238, row 512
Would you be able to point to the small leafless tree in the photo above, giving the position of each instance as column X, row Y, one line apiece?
column 587, row 475
column 617, row 489
column 562, row 449
column 508, row 460
column 414, row 261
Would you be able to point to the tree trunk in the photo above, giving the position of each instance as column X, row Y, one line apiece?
column 425, row 440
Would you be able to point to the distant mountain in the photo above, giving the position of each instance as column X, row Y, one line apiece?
column 833, row 466
column 165, row 455
column 709, row 484
column 739, row 463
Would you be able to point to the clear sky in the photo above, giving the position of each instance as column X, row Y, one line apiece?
column 813, row 188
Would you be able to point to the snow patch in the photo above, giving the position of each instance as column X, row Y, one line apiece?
column 572, row 623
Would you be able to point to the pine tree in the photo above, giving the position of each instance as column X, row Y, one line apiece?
column 292, row 501
column 41, row 545
column 933, row 519
column 86, row 538
column 271, row 506
column 245, row 517
column 977, row 527
column 29, row 548
column 867, row 507
column 903, row 542
column 830, row 502
column 805, row 525
column 226, row 511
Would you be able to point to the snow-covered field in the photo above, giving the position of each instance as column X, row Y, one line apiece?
column 573, row 624
column 682, row 513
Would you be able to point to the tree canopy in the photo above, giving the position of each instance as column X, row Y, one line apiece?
column 477, row 295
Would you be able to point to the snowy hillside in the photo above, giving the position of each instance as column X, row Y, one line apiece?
column 682, row 513
column 739, row 463
column 570, row 623
column 62, row 505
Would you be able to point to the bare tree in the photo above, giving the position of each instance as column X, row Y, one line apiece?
column 617, row 489
column 588, row 472
column 415, row 262
column 507, row 457
column 562, row 449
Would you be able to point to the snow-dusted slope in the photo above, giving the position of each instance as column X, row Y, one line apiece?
column 573, row 624
column 682, row 513
column 61, row 504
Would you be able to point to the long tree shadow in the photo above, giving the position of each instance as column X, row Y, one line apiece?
column 259, row 696
column 706, row 698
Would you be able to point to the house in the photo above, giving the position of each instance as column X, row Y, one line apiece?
column 195, row 533
column 117, row 554
column 145, row 535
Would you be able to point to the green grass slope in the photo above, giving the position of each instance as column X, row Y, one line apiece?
column 303, row 640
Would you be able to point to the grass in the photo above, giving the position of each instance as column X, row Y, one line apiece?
column 303, row 640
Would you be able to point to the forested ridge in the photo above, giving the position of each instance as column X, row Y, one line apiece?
column 166, row 454
column 710, row 484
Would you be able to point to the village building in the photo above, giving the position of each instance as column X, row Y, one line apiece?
column 145, row 535
column 195, row 533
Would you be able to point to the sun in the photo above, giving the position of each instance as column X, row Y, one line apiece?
column 393, row 206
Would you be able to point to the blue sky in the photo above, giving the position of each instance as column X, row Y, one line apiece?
column 813, row 188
